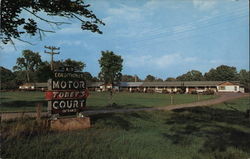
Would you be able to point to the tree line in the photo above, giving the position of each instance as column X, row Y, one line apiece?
column 220, row 73
column 30, row 68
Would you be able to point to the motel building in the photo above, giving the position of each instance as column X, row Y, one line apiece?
column 171, row 87
column 159, row 87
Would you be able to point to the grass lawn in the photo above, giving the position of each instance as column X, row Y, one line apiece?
column 218, row 132
column 26, row 101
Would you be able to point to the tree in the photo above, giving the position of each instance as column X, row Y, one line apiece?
column 193, row 75
column 244, row 77
column 13, row 25
column 111, row 67
column 20, row 77
column 222, row 73
column 29, row 62
column 149, row 78
column 78, row 65
column 170, row 79
column 43, row 72
column 7, row 79
column 87, row 76
column 128, row 78
column 159, row 80
column 95, row 79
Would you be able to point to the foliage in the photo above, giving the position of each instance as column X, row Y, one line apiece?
column 222, row 73
column 159, row 80
column 128, row 78
column 193, row 75
column 194, row 92
column 165, row 91
column 208, row 92
column 149, row 78
column 170, row 79
column 7, row 79
column 88, row 76
column 29, row 62
column 20, row 77
column 40, row 71
column 78, row 65
column 43, row 72
column 95, row 79
column 111, row 67
column 6, row 74
column 13, row 25
column 244, row 77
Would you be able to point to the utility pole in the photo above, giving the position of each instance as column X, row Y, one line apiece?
column 135, row 78
column 52, row 53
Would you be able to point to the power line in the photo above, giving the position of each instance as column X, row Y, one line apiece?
column 171, row 33
column 217, row 16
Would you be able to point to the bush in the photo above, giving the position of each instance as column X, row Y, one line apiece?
column 165, row 91
column 194, row 92
column 208, row 92
column 150, row 91
column 180, row 91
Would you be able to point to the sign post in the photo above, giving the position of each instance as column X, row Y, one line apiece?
column 67, row 92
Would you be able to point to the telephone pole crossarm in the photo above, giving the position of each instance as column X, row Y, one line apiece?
column 52, row 53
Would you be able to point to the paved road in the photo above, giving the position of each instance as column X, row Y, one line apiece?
column 222, row 98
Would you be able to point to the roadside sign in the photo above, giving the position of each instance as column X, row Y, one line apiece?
column 67, row 92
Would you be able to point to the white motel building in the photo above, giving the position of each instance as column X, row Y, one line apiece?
column 171, row 87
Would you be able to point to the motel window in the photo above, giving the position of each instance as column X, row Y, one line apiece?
column 222, row 88
column 235, row 88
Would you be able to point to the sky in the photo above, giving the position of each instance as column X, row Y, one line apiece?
column 163, row 38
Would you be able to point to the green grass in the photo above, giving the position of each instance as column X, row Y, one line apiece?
column 21, row 101
column 218, row 132
column 26, row 101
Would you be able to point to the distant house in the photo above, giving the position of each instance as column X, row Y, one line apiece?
column 34, row 86
column 170, row 86
column 229, row 87
column 94, row 86
column 27, row 86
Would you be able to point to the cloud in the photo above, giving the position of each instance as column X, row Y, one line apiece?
column 159, row 62
column 72, row 29
column 204, row 4
column 183, row 28
column 70, row 43
column 126, row 12
column 9, row 48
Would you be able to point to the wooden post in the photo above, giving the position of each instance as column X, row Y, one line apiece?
column 38, row 112
column 171, row 99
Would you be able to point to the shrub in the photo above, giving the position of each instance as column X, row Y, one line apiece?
column 165, row 91
column 194, row 92
column 180, row 91
column 150, row 91
column 208, row 92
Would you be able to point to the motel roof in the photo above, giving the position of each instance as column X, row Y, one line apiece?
column 185, row 83
column 167, row 84
column 130, row 84
column 153, row 84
